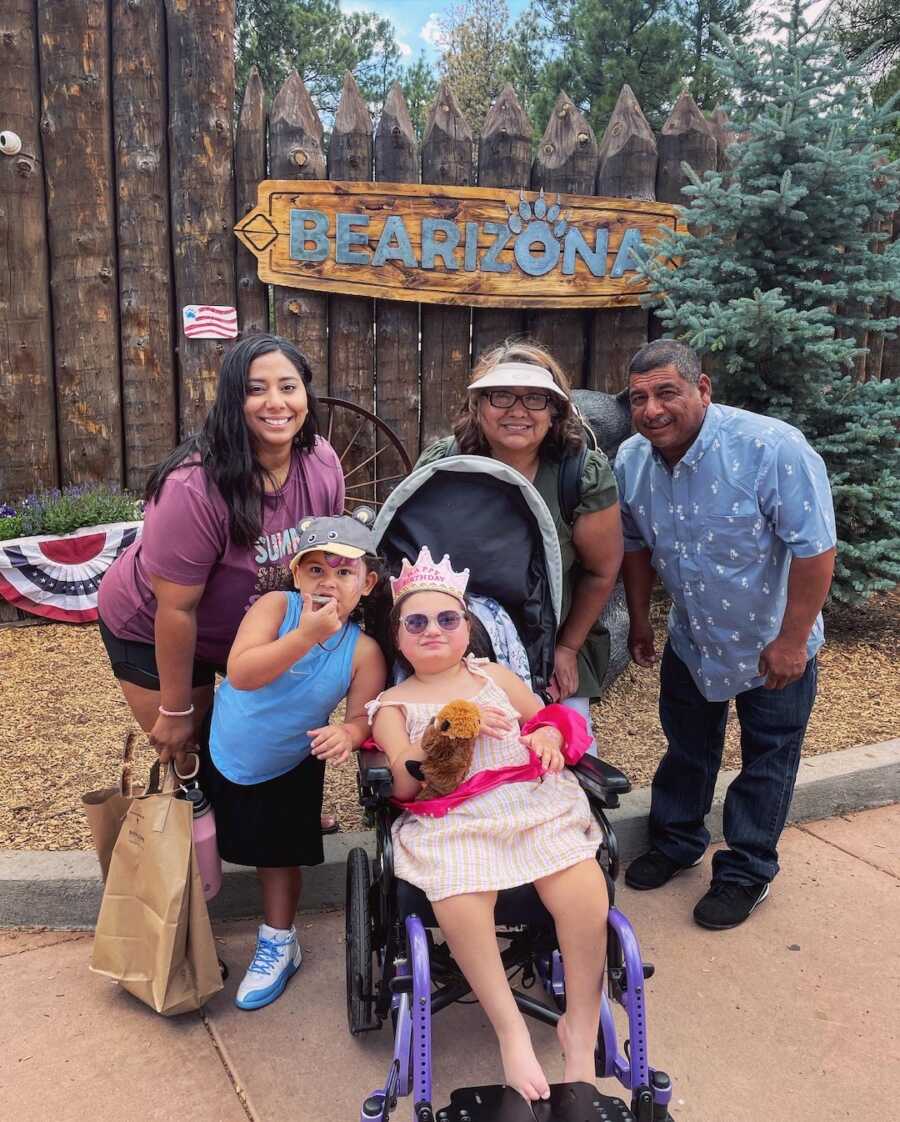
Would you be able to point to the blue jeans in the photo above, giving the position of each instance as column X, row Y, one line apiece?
column 773, row 723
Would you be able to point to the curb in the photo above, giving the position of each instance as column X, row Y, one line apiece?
column 63, row 889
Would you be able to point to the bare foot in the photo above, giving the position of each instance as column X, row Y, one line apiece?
column 521, row 1069
column 578, row 1055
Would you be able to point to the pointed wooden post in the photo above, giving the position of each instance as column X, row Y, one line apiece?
column 351, row 345
column 724, row 134
column 201, row 149
column 297, row 151
column 446, row 159
column 566, row 162
column 249, row 169
column 145, row 264
column 77, row 144
column 396, row 321
column 627, row 158
column 890, row 358
column 504, row 160
column 27, row 406
column 566, row 158
column 686, row 137
column 626, row 169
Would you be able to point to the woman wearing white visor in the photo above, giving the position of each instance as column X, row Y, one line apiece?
column 519, row 411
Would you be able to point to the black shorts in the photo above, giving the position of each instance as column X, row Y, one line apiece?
column 136, row 662
column 276, row 824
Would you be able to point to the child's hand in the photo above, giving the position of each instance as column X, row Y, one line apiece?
column 546, row 743
column 494, row 722
column 317, row 624
column 331, row 743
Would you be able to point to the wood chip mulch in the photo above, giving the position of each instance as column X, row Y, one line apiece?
column 63, row 720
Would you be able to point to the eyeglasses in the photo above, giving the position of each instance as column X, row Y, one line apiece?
column 534, row 401
column 417, row 622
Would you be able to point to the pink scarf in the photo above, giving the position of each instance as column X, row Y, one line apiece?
column 576, row 741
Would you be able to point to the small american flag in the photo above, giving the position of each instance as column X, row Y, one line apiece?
column 209, row 321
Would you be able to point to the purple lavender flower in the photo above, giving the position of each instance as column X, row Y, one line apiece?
column 6, row 511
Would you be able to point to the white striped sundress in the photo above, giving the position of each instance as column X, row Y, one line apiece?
column 510, row 835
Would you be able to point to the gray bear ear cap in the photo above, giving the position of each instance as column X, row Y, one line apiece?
column 342, row 535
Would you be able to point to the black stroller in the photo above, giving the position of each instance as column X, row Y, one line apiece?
column 488, row 518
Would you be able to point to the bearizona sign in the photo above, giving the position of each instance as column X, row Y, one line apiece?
column 452, row 245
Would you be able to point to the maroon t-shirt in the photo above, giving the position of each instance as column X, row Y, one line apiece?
column 185, row 540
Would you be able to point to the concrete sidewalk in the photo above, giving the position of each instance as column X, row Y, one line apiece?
column 63, row 889
column 790, row 1018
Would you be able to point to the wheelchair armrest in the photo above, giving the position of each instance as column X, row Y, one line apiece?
column 601, row 780
column 375, row 778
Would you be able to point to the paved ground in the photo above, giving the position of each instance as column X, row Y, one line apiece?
column 790, row 1018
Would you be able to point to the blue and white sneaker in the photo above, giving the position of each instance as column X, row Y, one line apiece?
column 275, row 962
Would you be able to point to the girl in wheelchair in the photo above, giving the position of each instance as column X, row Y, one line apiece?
column 526, row 820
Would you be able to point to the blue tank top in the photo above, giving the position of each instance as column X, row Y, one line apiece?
column 260, row 734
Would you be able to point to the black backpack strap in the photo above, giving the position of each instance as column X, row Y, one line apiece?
column 571, row 471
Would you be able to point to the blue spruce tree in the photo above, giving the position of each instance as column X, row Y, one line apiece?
column 786, row 271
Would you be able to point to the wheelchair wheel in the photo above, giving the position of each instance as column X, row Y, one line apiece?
column 358, row 942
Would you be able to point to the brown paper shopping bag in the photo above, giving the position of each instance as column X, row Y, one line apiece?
column 153, row 933
column 106, row 809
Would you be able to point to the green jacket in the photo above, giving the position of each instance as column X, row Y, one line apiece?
column 598, row 491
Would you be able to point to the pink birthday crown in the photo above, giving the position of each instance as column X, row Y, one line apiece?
column 426, row 576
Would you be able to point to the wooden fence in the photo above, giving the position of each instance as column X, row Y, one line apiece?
column 119, row 210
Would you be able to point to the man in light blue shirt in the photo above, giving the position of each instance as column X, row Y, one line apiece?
column 733, row 512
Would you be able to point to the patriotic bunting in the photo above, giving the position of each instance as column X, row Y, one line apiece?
column 58, row 577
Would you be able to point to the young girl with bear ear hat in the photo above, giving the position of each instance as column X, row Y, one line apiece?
column 296, row 656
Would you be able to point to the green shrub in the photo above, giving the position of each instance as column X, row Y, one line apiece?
column 61, row 512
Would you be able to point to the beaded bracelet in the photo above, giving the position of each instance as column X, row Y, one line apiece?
column 176, row 713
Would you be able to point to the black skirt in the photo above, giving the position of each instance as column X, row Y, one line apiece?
column 276, row 824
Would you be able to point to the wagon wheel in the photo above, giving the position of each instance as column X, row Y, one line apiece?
column 371, row 453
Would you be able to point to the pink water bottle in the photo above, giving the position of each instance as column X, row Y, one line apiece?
column 205, row 845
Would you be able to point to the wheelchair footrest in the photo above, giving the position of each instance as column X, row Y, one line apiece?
column 569, row 1102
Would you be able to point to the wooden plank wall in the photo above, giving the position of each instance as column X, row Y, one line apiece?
column 396, row 321
column 504, row 160
column 447, row 158
column 76, row 126
column 28, row 447
column 351, row 325
column 249, row 169
column 566, row 163
column 201, row 108
column 627, row 162
column 119, row 210
column 297, row 151
column 149, row 413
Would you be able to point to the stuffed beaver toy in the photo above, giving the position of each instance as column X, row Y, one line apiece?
column 448, row 742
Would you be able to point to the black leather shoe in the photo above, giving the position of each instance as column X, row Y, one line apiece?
column 653, row 869
column 728, row 904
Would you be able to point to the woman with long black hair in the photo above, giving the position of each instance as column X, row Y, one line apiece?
column 220, row 527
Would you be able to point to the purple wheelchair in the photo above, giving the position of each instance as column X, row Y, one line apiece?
column 390, row 924
column 395, row 967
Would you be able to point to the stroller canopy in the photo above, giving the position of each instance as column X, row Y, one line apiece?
column 491, row 520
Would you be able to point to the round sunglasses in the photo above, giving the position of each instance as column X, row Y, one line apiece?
column 417, row 622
